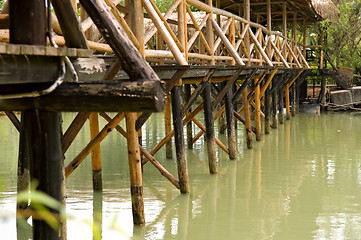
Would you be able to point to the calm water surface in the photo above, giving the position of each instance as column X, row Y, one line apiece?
column 302, row 181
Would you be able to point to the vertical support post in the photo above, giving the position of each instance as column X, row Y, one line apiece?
column 280, row 105
column 274, row 109
column 135, row 21
column 187, row 95
column 210, row 137
column 295, row 28
column 182, row 26
column 247, row 117
column 269, row 23
column 257, row 109
column 135, row 170
column 42, row 129
column 287, row 99
column 179, row 141
column 247, row 16
column 231, row 131
column 293, row 99
column 46, row 163
column 168, row 127
column 96, row 156
column 304, row 36
column 209, row 30
column 23, row 172
column 232, row 37
column 221, row 120
column 267, row 111
column 297, row 96
column 284, row 18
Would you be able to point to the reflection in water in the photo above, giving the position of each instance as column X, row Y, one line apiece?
column 302, row 181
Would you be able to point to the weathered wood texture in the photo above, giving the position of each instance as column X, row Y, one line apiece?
column 102, row 96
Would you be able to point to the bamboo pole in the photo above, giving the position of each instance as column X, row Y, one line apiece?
column 165, row 34
column 179, row 141
column 135, row 169
column 293, row 99
column 210, row 137
column 182, row 28
column 227, row 43
column 304, row 36
column 95, row 154
column 274, row 106
column 168, row 123
column 267, row 112
column 280, row 104
column 247, row 117
column 187, row 95
column 209, row 32
column 231, row 131
column 257, row 109
column 287, row 99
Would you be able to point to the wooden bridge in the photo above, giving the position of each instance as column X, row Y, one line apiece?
column 246, row 59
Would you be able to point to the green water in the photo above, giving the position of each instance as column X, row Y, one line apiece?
column 303, row 181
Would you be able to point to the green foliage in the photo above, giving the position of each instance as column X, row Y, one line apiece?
column 163, row 5
column 342, row 40
column 2, row 2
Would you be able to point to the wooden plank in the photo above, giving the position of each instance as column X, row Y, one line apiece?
column 111, row 96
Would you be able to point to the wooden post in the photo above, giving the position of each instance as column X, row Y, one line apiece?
column 42, row 129
column 274, row 109
column 287, row 99
column 257, row 109
column 179, row 141
column 23, row 171
column 304, row 36
column 187, row 95
column 135, row 164
column 231, row 131
column 297, row 95
column 247, row 117
column 295, row 27
column 96, row 156
column 293, row 99
column 182, row 27
column 267, row 111
column 284, row 19
column 135, row 170
column 280, row 104
column 210, row 137
column 168, row 127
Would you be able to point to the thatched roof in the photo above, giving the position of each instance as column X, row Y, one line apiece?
column 311, row 10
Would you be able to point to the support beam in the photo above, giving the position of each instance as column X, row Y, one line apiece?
column 187, row 95
column 179, row 141
column 267, row 111
column 231, row 131
column 168, row 126
column 135, row 170
column 247, row 117
column 280, row 105
column 210, row 137
column 95, row 154
column 42, row 129
column 257, row 109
